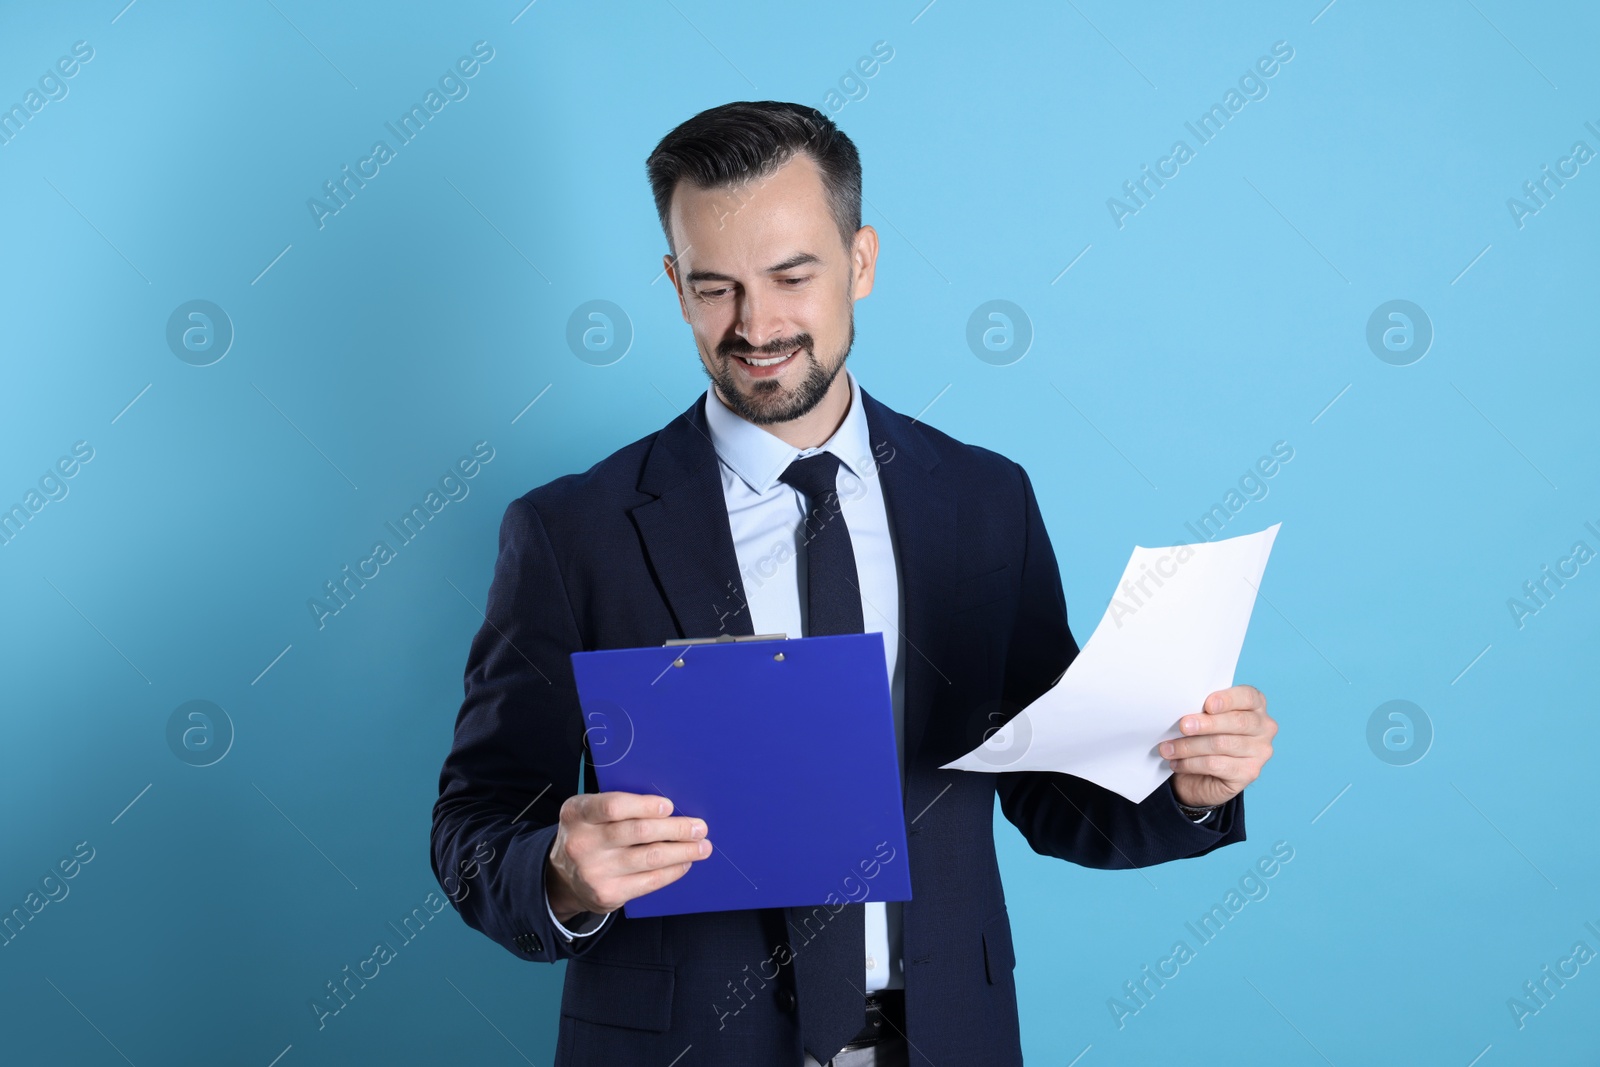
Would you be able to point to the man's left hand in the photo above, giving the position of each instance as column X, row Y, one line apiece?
column 1223, row 748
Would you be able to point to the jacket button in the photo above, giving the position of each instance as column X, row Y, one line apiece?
column 786, row 1000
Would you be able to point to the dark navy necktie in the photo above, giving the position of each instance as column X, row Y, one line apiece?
column 833, row 591
column 829, row 967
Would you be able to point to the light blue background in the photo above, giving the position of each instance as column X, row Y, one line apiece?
column 1228, row 314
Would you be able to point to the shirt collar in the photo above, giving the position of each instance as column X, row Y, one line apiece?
column 758, row 456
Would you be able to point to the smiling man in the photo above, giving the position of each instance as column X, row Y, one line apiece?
column 785, row 499
column 764, row 291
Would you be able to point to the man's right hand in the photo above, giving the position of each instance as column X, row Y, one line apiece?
column 613, row 847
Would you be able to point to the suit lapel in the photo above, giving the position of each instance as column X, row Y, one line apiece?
column 922, row 521
column 686, row 533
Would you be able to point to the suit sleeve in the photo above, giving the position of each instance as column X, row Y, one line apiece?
column 1062, row 815
column 517, row 751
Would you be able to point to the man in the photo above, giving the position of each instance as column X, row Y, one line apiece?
column 787, row 500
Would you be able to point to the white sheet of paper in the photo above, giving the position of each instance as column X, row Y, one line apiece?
column 1170, row 637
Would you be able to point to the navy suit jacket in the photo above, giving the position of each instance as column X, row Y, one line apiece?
column 638, row 549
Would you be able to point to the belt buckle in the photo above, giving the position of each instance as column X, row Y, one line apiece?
column 875, row 1004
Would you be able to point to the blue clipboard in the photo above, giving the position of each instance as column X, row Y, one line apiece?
column 785, row 748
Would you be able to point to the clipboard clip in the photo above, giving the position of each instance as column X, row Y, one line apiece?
column 722, row 639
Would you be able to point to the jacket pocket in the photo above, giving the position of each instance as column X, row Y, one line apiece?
column 980, row 590
column 636, row 995
column 999, row 958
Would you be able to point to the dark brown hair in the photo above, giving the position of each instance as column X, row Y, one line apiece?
column 739, row 142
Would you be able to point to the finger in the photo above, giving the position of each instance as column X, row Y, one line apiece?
column 632, row 886
column 616, row 806
column 1225, row 722
column 644, row 831
column 642, row 858
column 1220, row 744
column 1235, row 698
column 1212, row 765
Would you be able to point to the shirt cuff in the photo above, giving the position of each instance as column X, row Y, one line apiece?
column 591, row 923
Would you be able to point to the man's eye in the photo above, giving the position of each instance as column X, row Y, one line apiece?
column 795, row 281
column 711, row 294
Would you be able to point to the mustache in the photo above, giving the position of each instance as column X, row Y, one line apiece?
column 782, row 346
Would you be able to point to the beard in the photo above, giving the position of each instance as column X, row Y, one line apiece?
column 769, row 401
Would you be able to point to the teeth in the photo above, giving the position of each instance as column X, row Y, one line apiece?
column 774, row 361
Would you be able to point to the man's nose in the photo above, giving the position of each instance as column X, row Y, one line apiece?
column 759, row 322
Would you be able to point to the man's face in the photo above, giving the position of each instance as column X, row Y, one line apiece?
column 762, row 274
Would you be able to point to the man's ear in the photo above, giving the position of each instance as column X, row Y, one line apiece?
column 863, row 261
column 669, row 265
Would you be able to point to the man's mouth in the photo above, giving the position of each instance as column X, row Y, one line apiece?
column 767, row 361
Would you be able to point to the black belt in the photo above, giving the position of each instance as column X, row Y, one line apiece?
column 886, row 1018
